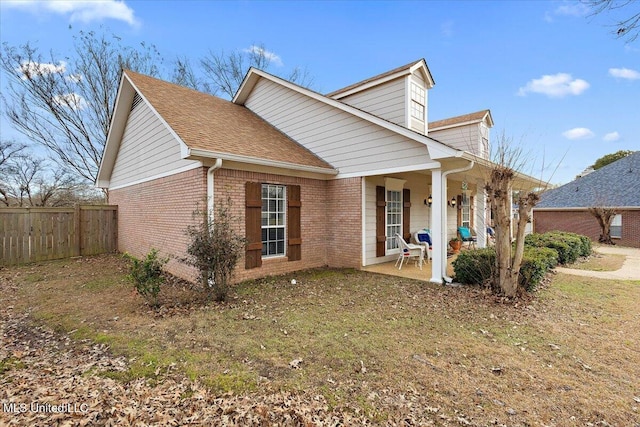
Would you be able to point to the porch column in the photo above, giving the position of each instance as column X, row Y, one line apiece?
column 438, row 212
column 481, row 214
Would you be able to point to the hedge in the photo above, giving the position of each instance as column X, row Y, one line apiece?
column 570, row 246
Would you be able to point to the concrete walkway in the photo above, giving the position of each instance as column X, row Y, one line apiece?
column 630, row 269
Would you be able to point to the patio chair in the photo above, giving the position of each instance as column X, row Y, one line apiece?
column 466, row 236
column 409, row 250
column 423, row 237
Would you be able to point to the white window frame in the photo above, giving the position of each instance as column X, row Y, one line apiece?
column 276, row 219
column 393, row 227
column 418, row 101
column 616, row 224
column 465, row 211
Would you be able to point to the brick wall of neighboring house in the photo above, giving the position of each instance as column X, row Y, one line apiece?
column 345, row 209
column 155, row 214
column 582, row 222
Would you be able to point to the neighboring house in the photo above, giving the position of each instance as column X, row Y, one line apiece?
column 315, row 179
column 616, row 185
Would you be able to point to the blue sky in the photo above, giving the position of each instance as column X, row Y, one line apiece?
column 554, row 78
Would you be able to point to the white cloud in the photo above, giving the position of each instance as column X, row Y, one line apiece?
column 34, row 69
column 555, row 86
column 624, row 73
column 572, row 9
column 578, row 133
column 272, row 57
column 74, row 78
column 447, row 28
column 611, row 137
column 71, row 100
column 84, row 11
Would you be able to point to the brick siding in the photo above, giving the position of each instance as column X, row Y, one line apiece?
column 582, row 222
column 156, row 213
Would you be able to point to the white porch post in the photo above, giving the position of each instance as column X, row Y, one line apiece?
column 438, row 212
column 481, row 214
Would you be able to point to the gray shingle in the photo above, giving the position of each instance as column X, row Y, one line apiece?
column 615, row 185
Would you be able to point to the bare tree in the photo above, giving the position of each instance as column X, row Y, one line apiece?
column 224, row 72
column 604, row 216
column 626, row 27
column 499, row 187
column 9, row 151
column 66, row 104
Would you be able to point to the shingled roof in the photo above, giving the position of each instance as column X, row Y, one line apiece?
column 206, row 122
column 614, row 185
column 466, row 118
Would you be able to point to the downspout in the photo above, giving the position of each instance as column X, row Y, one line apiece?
column 217, row 165
column 443, row 206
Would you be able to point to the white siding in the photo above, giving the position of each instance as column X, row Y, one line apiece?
column 467, row 138
column 350, row 144
column 386, row 101
column 420, row 214
column 147, row 149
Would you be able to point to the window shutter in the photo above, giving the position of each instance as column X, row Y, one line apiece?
column 253, row 225
column 406, row 214
column 294, row 234
column 381, row 238
column 459, row 209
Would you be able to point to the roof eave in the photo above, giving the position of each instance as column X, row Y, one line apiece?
column 198, row 153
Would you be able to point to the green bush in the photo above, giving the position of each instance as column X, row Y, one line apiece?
column 536, row 262
column 147, row 275
column 475, row 266
column 570, row 246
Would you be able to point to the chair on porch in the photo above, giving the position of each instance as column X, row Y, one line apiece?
column 423, row 237
column 466, row 236
column 409, row 250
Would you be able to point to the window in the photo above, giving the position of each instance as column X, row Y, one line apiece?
column 485, row 148
column 616, row 227
column 394, row 217
column 465, row 211
column 417, row 101
column 273, row 220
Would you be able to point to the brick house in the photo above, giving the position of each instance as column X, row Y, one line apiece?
column 315, row 179
column 616, row 185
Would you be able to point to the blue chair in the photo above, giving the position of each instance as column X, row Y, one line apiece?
column 466, row 236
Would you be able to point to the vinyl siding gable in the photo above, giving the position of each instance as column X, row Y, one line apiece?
column 147, row 150
column 387, row 101
column 349, row 143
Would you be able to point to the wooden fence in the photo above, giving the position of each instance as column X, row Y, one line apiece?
column 39, row 234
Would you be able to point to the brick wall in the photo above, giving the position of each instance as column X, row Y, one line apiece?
column 582, row 222
column 155, row 214
column 345, row 234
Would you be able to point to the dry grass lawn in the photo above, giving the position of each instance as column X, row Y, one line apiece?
column 379, row 345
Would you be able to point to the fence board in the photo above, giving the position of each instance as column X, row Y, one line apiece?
column 39, row 234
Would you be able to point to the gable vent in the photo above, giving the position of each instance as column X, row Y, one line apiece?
column 137, row 99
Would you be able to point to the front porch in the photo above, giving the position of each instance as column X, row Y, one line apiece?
column 410, row 270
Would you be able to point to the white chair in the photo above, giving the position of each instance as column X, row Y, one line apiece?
column 418, row 237
column 409, row 250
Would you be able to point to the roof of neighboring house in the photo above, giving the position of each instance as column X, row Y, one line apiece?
column 478, row 116
column 403, row 70
column 206, row 122
column 614, row 185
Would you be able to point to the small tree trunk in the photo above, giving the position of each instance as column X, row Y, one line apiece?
column 604, row 217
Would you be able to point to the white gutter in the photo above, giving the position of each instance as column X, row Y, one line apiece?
column 443, row 206
column 210, row 206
